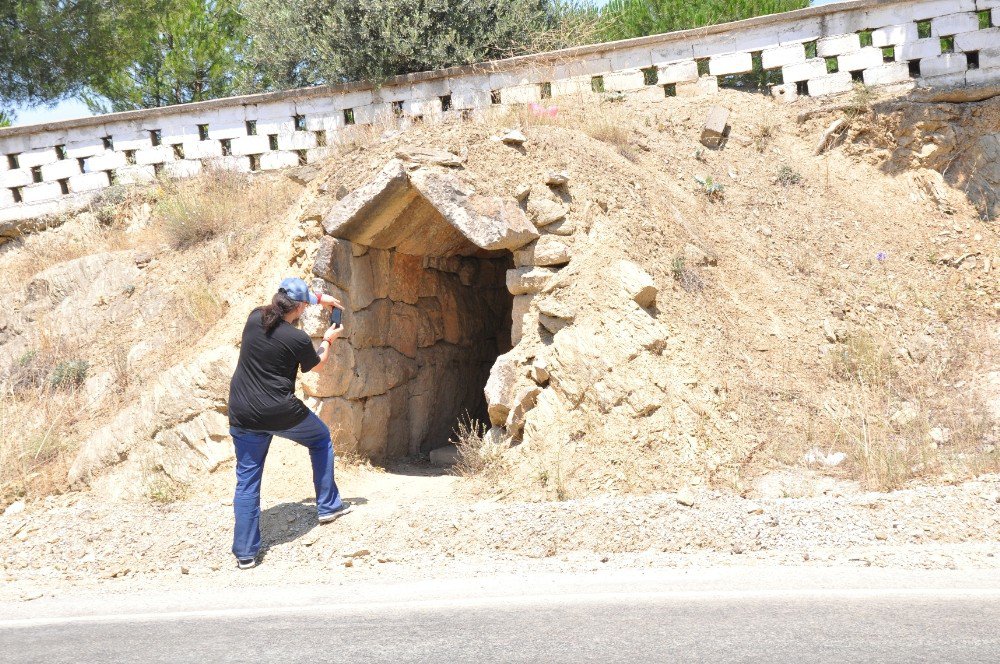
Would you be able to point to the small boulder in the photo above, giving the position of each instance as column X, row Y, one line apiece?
column 525, row 280
column 544, row 211
column 638, row 285
column 539, row 371
column 547, row 251
column 513, row 137
column 557, row 178
column 499, row 390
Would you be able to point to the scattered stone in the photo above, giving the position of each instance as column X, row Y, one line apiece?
column 525, row 280
column 14, row 508
column 832, row 334
column 564, row 227
column 939, row 435
column 685, row 497
column 544, row 211
column 185, row 570
column 499, row 390
column 539, row 371
column 431, row 156
column 523, row 402
column 349, row 563
column 548, row 251
column 832, row 134
column 557, row 179
column 513, row 137
column 638, row 285
column 360, row 553
column 714, row 131
column 522, row 191
column 143, row 258
column 905, row 415
column 696, row 256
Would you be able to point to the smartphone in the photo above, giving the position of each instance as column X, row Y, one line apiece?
column 335, row 317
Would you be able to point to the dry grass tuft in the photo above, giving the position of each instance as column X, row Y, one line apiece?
column 477, row 457
column 192, row 211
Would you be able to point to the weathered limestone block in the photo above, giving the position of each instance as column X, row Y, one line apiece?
column 863, row 59
column 803, row 71
column 524, row 401
column 549, row 250
column 704, row 86
column 831, row 84
column 790, row 54
column 500, row 387
column 344, row 417
column 892, row 72
column 333, row 261
column 730, row 63
column 677, row 72
column 714, row 129
column 564, row 228
column 944, row 64
column 978, row 40
column 785, row 93
column 921, row 48
column 952, row 24
column 526, row 280
column 544, row 211
column 838, row 45
column 430, row 327
column 637, row 283
column 539, row 371
column 378, row 370
column 521, row 306
column 334, row 377
column 894, row 35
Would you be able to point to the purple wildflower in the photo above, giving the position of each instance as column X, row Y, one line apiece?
column 881, row 256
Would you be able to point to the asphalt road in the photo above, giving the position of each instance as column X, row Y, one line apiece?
column 527, row 621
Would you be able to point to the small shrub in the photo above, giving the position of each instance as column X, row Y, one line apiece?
column 164, row 490
column 196, row 210
column 788, row 177
column 864, row 360
column 687, row 277
column 477, row 458
column 714, row 190
column 762, row 135
column 69, row 374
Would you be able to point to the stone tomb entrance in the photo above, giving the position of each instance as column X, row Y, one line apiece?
column 419, row 260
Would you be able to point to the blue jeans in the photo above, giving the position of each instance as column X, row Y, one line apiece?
column 251, row 450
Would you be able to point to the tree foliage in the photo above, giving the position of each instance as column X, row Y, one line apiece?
column 623, row 19
column 193, row 51
column 309, row 42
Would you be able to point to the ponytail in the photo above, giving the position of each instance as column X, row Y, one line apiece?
column 272, row 314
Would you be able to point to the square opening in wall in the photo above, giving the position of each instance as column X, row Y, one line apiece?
column 703, row 67
column 16, row 193
column 108, row 143
column 178, row 151
column 831, row 66
column 445, row 103
column 670, row 89
column 60, row 152
column 255, row 162
column 348, row 120
column 155, row 137
column 889, row 54
column 923, row 29
column 865, row 36
column 303, row 159
column 36, row 174
column 272, row 141
column 320, row 139
column 251, row 127
column 984, row 19
column 810, row 49
column 947, row 44
column 300, row 122
column 12, row 161
column 494, row 97
column 914, row 68
column 157, row 170
column 858, row 76
column 227, row 147
column 130, row 157
column 82, row 163
column 802, row 88
column 203, row 132
column 397, row 108
column 972, row 57
column 545, row 90
column 64, row 186
column 650, row 76
column 597, row 84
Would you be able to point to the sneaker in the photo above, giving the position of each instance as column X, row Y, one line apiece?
column 344, row 509
column 246, row 563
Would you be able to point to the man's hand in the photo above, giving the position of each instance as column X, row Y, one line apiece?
column 329, row 301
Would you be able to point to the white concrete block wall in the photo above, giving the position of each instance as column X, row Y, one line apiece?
column 790, row 54
column 944, row 64
column 730, row 63
column 946, row 26
column 781, row 41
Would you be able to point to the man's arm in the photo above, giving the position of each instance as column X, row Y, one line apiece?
column 331, row 335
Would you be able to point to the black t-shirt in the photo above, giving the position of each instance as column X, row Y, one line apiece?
column 262, row 391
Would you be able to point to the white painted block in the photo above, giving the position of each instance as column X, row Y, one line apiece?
column 946, row 81
column 87, row 148
column 623, row 81
column 744, row 40
column 320, row 154
column 6, row 198
column 420, row 108
column 202, row 149
column 34, row 211
column 469, row 99
column 982, row 76
column 812, row 68
column 790, row 54
column 297, row 140
column 373, row 113
column 329, row 122
column 353, row 99
column 831, row 84
column 945, row 26
column 274, row 160
column 179, row 130
column 104, row 162
column 885, row 74
column 828, row 47
column 229, row 130
column 987, row 4
column 978, row 40
column 154, row 155
column 231, row 163
column 922, row 48
column 863, row 59
column 469, row 82
column 677, row 72
column 894, row 35
column 578, row 85
column 43, row 191
column 924, row 10
column 251, row 145
column 59, row 170
column 995, row 16
column 704, row 86
column 135, row 174
column 427, row 89
column 944, row 64
column 672, row 52
column 730, row 63
column 88, row 182
column 183, row 168
column 520, row 94
column 785, row 93
column 37, row 158
column 511, row 79
column 131, row 141
column 17, row 177
column 635, row 58
column 989, row 58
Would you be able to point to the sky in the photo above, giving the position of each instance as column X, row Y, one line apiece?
column 72, row 108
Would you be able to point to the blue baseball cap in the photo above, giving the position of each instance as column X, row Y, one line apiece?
column 298, row 290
